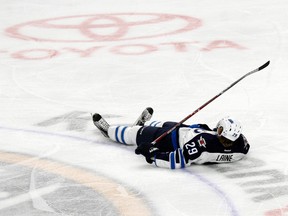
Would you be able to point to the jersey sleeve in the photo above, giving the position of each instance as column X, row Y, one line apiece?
column 172, row 160
column 180, row 158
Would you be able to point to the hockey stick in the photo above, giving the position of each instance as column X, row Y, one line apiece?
column 208, row 102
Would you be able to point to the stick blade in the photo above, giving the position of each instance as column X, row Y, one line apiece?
column 264, row 65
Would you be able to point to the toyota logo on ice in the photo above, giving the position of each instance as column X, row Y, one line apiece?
column 104, row 27
column 112, row 33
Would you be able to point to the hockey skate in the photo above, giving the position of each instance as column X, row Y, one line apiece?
column 101, row 124
column 146, row 115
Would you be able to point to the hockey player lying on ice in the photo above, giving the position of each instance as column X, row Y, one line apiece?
column 186, row 145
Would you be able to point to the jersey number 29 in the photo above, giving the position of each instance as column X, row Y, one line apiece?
column 191, row 148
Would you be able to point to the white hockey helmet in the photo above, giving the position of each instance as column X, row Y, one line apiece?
column 231, row 128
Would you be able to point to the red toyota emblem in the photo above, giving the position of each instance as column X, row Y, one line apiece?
column 104, row 27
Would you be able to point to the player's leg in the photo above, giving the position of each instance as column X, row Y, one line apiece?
column 148, row 134
column 128, row 134
column 168, row 124
column 168, row 143
column 122, row 134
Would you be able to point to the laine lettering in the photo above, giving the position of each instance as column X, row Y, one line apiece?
column 224, row 158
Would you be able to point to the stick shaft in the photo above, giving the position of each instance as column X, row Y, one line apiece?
column 208, row 102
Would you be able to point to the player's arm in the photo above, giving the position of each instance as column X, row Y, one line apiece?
column 172, row 160
column 182, row 157
column 179, row 158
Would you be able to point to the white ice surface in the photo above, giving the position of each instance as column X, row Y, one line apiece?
column 45, row 103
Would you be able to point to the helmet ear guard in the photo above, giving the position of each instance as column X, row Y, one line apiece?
column 229, row 128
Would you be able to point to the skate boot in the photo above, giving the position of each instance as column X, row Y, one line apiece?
column 146, row 115
column 101, row 124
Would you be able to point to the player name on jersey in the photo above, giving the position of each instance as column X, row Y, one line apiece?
column 226, row 157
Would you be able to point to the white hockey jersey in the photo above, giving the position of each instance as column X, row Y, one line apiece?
column 199, row 146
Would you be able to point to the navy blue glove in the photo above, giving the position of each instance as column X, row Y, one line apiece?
column 148, row 151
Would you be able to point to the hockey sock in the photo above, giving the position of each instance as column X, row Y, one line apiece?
column 124, row 134
column 154, row 123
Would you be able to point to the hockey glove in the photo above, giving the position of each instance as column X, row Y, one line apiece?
column 148, row 151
